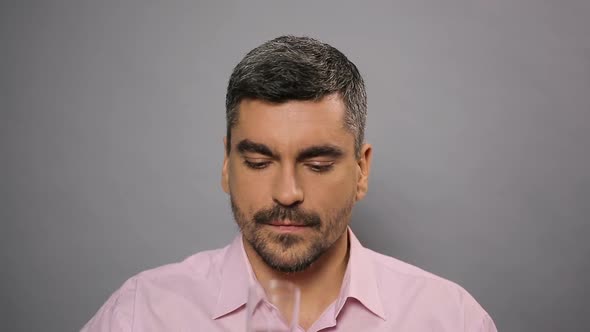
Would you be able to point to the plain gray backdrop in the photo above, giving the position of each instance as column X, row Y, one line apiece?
column 112, row 119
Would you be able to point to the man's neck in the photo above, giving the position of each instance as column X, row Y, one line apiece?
column 319, row 284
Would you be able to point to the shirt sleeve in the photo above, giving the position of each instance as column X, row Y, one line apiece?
column 117, row 313
column 476, row 319
column 487, row 325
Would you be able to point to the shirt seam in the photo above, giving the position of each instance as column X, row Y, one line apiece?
column 486, row 318
column 134, row 304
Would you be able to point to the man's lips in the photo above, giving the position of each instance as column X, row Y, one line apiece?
column 287, row 227
column 286, row 223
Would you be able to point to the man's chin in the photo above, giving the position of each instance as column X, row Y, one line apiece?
column 286, row 241
column 289, row 260
column 287, row 266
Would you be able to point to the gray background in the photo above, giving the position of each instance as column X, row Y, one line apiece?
column 112, row 118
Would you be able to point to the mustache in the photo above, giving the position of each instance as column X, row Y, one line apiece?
column 297, row 215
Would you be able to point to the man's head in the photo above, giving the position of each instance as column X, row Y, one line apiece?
column 295, row 162
column 298, row 68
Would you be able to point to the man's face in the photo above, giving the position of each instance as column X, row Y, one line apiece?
column 293, row 178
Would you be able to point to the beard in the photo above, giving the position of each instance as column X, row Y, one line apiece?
column 288, row 252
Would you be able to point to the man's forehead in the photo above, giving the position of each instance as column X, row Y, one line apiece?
column 293, row 125
column 291, row 115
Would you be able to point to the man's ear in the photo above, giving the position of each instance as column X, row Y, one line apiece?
column 224, row 169
column 364, row 168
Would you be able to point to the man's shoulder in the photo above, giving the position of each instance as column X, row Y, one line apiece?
column 194, row 280
column 400, row 281
column 202, row 266
column 394, row 267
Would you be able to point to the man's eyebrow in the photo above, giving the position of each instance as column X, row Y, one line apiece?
column 247, row 145
column 320, row 151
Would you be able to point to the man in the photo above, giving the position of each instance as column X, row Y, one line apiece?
column 295, row 164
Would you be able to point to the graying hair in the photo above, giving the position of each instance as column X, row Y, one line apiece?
column 298, row 68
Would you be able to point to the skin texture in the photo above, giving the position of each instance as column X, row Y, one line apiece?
column 294, row 163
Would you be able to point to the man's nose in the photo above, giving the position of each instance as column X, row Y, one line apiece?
column 287, row 190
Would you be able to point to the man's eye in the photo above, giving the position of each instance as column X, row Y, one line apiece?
column 256, row 164
column 321, row 168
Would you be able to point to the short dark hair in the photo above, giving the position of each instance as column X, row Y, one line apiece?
column 298, row 68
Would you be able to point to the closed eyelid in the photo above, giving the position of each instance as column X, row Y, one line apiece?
column 256, row 157
column 319, row 162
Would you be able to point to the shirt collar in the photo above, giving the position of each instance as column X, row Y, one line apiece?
column 236, row 276
column 359, row 281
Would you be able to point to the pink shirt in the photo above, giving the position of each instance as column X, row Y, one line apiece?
column 208, row 292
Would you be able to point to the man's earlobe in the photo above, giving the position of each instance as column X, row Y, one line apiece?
column 225, row 168
column 364, row 168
